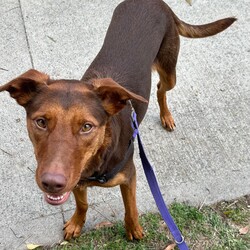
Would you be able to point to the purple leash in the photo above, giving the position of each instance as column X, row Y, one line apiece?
column 155, row 190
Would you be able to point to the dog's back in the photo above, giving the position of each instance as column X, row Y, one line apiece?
column 142, row 34
column 136, row 34
column 131, row 44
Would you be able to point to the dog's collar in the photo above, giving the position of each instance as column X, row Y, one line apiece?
column 107, row 176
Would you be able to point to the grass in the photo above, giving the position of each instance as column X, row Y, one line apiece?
column 211, row 227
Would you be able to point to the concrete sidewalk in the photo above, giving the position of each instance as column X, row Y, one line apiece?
column 206, row 159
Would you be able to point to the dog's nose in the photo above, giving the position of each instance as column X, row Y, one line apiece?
column 53, row 183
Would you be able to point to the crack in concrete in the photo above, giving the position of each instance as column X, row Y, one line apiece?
column 26, row 34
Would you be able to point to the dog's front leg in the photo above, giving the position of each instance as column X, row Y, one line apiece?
column 74, row 226
column 133, row 228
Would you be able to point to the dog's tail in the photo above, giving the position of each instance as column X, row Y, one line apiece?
column 199, row 31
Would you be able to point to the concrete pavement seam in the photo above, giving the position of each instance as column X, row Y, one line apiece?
column 26, row 34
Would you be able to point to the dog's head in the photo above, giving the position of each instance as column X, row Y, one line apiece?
column 68, row 124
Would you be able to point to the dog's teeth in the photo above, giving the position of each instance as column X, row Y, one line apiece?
column 55, row 198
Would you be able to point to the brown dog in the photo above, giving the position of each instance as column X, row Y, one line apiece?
column 81, row 130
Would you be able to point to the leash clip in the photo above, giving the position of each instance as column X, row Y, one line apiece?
column 101, row 179
column 131, row 106
column 134, row 123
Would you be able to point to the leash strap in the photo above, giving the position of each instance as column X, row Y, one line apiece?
column 155, row 190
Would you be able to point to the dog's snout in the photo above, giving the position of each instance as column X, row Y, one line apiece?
column 53, row 183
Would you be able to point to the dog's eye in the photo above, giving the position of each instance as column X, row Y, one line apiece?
column 87, row 127
column 41, row 123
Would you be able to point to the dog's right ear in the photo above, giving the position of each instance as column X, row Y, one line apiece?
column 26, row 86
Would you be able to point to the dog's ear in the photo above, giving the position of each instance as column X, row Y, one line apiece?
column 26, row 86
column 113, row 95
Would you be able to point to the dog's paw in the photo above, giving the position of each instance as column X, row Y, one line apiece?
column 134, row 232
column 73, row 228
column 167, row 122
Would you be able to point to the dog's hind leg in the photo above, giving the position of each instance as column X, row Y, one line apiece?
column 166, row 83
column 73, row 227
column 165, row 64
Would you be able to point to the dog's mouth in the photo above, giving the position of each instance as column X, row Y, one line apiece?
column 55, row 200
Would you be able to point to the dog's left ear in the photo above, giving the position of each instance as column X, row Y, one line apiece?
column 113, row 95
column 26, row 86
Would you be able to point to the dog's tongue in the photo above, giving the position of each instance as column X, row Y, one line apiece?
column 56, row 199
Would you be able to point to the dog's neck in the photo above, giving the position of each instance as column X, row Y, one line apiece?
column 114, row 148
